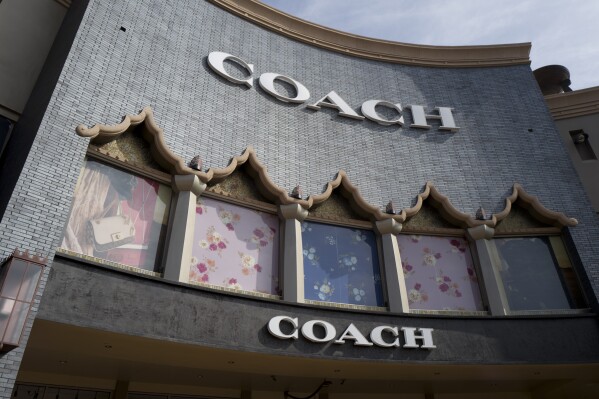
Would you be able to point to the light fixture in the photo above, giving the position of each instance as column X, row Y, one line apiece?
column 580, row 138
column 19, row 279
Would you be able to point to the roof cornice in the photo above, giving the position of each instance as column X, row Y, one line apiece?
column 377, row 49
column 574, row 103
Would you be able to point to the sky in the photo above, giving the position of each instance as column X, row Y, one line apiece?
column 563, row 32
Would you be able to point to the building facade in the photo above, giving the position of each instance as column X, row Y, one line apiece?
column 288, row 210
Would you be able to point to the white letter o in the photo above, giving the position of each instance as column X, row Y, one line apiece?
column 308, row 331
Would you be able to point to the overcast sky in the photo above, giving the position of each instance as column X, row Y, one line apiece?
column 564, row 32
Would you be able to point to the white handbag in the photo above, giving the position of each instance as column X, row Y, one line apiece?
column 111, row 232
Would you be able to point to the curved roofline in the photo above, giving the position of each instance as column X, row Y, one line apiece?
column 377, row 49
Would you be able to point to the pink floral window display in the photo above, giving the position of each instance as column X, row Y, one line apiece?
column 235, row 247
column 439, row 273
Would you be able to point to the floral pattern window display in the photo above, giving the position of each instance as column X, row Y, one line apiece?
column 341, row 265
column 118, row 217
column 235, row 247
column 530, row 274
column 439, row 273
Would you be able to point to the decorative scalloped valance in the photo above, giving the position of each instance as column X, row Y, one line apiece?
column 101, row 134
column 536, row 209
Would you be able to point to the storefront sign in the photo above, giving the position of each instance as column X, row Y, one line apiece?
column 383, row 336
column 216, row 61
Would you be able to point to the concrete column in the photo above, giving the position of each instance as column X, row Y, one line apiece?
column 492, row 284
column 397, row 293
column 293, row 259
column 181, row 227
column 121, row 389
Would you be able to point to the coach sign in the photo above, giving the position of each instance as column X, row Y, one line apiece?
column 216, row 61
column 383, row 336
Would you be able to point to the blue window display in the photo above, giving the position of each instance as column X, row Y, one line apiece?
column 341, row 265
column 530, row 273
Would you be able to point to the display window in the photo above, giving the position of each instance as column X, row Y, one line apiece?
column 341, row 265
column 118, row 217
column 439, row 273
column 534, row 272
column 120, row 214
column 235, row 247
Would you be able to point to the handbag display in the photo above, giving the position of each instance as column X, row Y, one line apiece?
column 111, row 232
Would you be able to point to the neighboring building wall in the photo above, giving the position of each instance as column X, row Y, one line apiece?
column 577, row 113
column 27, row 30
column 26, row 224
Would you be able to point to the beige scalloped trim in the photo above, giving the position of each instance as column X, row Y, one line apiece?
column 445, row 207
column 536, row 209
column 257, row 171
column 342, row 181
column 100, row 134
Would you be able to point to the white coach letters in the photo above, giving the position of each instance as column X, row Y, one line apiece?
column 216, row 61
column 352, row 333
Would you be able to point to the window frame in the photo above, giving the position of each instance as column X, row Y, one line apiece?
column 356, row 224
column 549, row 233
column 153, row 174
column 453, row 233
column 255, row 205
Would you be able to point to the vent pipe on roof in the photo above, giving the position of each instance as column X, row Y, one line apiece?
column 553, row 79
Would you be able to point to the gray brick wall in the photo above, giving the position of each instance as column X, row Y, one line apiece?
column 160, row 61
